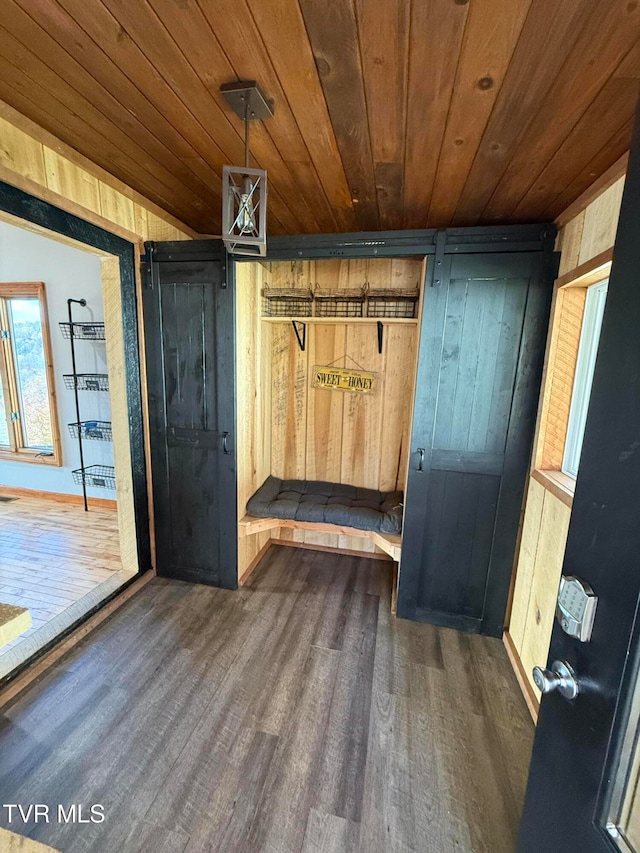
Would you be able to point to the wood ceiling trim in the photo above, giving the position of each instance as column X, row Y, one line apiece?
column 430, row 88
column 285, row 36
column 234, row 26
column 491, row 34
column 608, row 33
column 333, row 33
column 549, row 31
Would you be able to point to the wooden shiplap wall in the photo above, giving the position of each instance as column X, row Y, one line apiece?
column 546, row 517
column 290, row 429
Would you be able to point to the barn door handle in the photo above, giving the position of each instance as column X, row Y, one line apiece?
column 225, row 442
column 420, row 459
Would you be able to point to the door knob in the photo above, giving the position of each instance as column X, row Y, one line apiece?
column 560, row 677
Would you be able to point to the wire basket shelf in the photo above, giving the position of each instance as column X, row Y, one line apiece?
column 340, row 303
column 92, row 430
column 83, row 331
column 287, row 302
column 96, row 476
column 86, row 381
column 389, row 303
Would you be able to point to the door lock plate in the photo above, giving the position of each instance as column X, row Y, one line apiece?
column 576, row 608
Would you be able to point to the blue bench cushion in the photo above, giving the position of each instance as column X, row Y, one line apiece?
column 330, row 503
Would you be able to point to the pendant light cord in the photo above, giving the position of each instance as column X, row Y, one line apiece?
column 247, row 122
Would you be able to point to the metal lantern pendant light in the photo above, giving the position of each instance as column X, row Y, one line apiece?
column 244, row 190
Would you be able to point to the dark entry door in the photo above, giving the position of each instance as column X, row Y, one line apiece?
column 481, row 353
column 189, row 330
column 583, row 791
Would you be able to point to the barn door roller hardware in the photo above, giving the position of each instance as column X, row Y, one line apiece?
column 244, row 190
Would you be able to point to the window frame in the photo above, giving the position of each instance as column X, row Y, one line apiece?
column 17, row 452
column 594, row 308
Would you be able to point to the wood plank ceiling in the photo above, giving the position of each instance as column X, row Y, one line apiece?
column 388, row 113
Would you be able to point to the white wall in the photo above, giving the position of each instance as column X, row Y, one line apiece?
column 67, row 273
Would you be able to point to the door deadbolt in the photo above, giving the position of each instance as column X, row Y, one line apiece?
column 560, row 677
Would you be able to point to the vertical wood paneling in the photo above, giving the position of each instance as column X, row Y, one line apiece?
column 554, row 527
column 112, row 303
column 289, row 367
column 399, row 378
column 325, row 409
column 526, row 563
column 601, row 222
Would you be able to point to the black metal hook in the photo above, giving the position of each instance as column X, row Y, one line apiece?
column 380, row 337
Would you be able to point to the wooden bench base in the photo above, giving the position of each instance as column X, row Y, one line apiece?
column 390, row 543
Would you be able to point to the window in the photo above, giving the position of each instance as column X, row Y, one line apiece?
column 585, row 366
column 28, row 421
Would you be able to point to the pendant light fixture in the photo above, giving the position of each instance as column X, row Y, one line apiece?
column 244, row 190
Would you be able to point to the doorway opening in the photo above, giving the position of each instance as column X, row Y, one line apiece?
column 59, row 561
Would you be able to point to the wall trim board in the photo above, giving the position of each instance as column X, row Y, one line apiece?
column 553, row 482
column 19, row 680
column 244, row 577
column 59, row 497
column 33, row 209
column 529, row 696
column 613, row 174
column 349, row 552
column 589, row 272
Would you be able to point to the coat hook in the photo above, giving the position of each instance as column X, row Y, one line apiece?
column 302, row 341
column 380, row 336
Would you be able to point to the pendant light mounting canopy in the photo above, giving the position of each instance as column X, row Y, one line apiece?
column 247, row 100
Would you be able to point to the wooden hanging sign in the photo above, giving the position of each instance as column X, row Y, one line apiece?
column 341, row 379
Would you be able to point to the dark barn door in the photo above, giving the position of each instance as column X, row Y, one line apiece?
column 481, row 353
column 189, row 323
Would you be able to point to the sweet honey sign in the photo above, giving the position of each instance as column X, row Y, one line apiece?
column 341, row 379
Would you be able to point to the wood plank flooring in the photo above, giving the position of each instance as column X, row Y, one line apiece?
column 295, row 714
column 57, row 561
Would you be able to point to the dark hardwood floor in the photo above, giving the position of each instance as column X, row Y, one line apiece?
column 293, row 715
